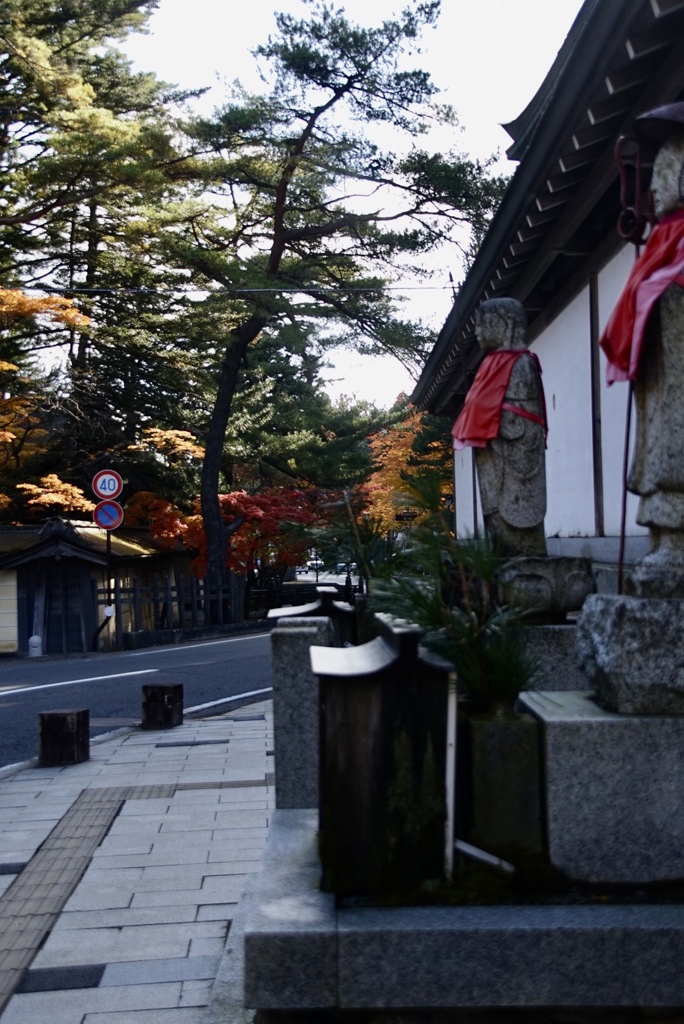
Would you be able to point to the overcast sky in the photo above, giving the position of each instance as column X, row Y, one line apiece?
column 488, row 58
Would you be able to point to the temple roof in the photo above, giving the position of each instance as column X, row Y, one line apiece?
column 556, row 222
column 72, row 538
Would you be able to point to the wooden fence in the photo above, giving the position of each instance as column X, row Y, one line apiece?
column 191, row 603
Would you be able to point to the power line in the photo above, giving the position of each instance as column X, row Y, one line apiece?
column 330, row 289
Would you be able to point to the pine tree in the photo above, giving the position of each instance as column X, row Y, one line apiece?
column 317, row 216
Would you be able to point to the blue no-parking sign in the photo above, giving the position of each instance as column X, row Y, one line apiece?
column 108, row 515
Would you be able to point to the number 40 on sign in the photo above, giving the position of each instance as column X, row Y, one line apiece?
column 107, row 484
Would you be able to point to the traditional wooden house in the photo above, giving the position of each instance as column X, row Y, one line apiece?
column 55, row 584
column 554, row 246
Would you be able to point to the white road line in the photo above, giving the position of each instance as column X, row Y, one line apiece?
column 189, row 647
column 75, row 682
column 227, row 700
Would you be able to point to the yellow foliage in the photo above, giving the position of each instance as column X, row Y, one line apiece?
column 16, row 306
column 21, row 432
column 54, row 494
column 391, row 449
column 392, row 452
column 173, row 444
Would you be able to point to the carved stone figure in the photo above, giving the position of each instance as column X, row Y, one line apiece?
column 657, row 470
column 630, row 646
column 504, row 420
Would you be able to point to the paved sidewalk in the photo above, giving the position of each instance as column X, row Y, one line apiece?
column 120, row 876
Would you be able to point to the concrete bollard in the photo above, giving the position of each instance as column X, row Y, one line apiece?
column 64, row 737
column 35, row 646
column 162, row 705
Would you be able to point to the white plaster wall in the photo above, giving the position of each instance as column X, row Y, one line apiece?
column 564, row 350
column 463, row 493
column 614, row 408
column 9, row 633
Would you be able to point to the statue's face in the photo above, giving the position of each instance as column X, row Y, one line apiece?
column 667, row 183
column 488, row 330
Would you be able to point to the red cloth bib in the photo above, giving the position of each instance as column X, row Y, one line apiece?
column 659, row 264
column 479, row 419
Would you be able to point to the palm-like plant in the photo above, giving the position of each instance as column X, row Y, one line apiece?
column 449, row 588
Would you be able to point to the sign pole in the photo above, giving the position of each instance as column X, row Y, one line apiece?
column 109, row 568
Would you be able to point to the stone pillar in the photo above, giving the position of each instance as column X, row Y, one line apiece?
column 295, row 708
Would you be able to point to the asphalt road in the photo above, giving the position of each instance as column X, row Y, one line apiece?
column 110, row 685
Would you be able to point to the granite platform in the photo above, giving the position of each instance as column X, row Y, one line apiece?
column 302, row 952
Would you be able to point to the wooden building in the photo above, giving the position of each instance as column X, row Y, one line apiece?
column 53, row 582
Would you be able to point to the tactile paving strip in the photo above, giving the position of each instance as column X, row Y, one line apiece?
column 30, row 906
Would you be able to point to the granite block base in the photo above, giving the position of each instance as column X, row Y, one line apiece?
column 614, row 793
column 301, row 952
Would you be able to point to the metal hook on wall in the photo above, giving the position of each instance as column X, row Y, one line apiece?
column 633, row 219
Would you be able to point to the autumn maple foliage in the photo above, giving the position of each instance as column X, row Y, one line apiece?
column 54, row 497
column 15, row 306
column 260, row 526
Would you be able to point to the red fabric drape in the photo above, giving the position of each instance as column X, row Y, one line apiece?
column 652, row 273
column 480, row 416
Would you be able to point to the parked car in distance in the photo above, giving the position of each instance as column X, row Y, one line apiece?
column 342, row 567
column 314, row 563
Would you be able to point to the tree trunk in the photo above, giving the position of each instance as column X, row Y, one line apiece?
column 214, row 526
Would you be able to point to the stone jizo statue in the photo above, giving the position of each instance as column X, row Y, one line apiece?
column 644, row 342
column 504, row 420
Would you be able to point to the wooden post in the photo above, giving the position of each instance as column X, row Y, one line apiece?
column 63, row 737
column 206, row 603
column 156, row 600
column 180, row 600
column 169, row 602
column 219, row 604
column 193, row 601
column 162, row 705
column 382, row 765
column 137, row 605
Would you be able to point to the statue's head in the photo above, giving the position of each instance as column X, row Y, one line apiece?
column 661, row 130
column 501, row 323
column 667, row 182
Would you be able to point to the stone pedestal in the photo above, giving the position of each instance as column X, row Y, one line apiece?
column 630, row 648
column 551, row 587
column 614, row 791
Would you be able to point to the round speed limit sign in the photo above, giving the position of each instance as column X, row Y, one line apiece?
column 107, row 484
